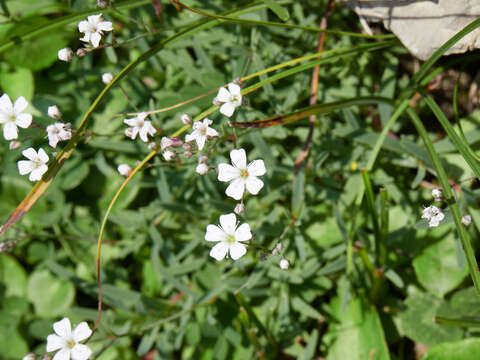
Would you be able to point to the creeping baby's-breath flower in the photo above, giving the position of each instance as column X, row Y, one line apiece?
column 12, row 115
column 93, row 29
column 67, row 342
column 437, row 194
column 239, row 208
column 14, row 145
column 434, row 215
column 65, row 54
column 284, row 264
column 58, row 132
column 107, row 78
column 139, row 126
column 230, row 99
column 54, row 112
column 201, row 130
column 466, row 220
column 241, row 175
column 229, row 238
column 169, row 155
column 36, row 165
column 201, row 169
column 124, row 169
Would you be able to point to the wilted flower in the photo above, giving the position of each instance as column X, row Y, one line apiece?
column 65, row 54
column 277, row 249
column 169, row 155
column 139, row 126
column 434, row 215
column 58, row 132
column 230, row 99
column 284, row 264
column 200, row 132
column 241, row 175
column 229, row 238
column 186, row 119
column 54, row 112
column 12, row 115
column 202, row 169
column 124, row 169
column 466, row 220
column 68, row 342
column 36, row 165
column 93, row 29
column 107, row 78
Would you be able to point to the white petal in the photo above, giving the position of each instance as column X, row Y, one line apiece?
column 63, row 354
column 83, row 26
column 105, row 26
column 234, row 89
column 257, row 168
column 63, row 328
column 42, row 155
column 53, row 140
column 227, row 109
column 243, row 233
column 207, row 122
column 228, row 223
column 236, row 189
column 144, row 134
column 10, row 131
column 211, row 132
column 142, row 115
column 23, row 120
column 254, row 185
column 219, row 251
column 37, row 173
column 227, row 172
column 237, row 250
column 54, row 342
column 95, row 19
column 25, row 166
column 30, row 154
column 95, row 39
column 81, row 352
column 131, row 122
column 6, row 105
column 86, row 37
column 201, row 139
column 190, row 137
column 214, row 233
column 239, row 158
column 223, row 95
column 20, row 105
column 81, row 332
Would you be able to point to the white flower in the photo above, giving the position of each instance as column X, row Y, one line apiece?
column 58, row 132
column 107, row 78
column 124, row 169
column 434, row 215
column 67, row 341
column 200, row 132
column 229, row 237
column 284, row 264
column 186, row 119
column 166, row 142
column 169, row 155
column 241, row 175
column 65, row 54
column 36, row 165
column 139, row 126
column 12, row 115
column 466, row 220
column 54, row 112
column 202, row 168
column 437, row 194
column 29, row 356
column 93, row 29
column 231, row 99
column 14, row 145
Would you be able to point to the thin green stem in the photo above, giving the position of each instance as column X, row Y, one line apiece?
column 384, row 221
column 373, row 212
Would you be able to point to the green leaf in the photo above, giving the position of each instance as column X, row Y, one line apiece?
column 278, row 9
column 12, row 276
column 49, row 295
column 467, row 349
column 18, row 82
column 437, row 267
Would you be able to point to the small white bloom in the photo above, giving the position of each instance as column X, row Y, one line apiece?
column 437, row 194
column 65, row 54
column 14, row 145
column 139, row 126
column 434, row 215
column 54, row 112
column 67, row 341
column 166, row 142
column 284, row 264
column 12, row 115
column 202, row 169
column 466, row 220
column 58, row 132
column 124, row 169
column 277, row 249
column 29, row 356
column 239, row 208
column 241, row 175
column 93, row 29
column 169, row 155
column 107, row 78
column 231, row 99
column 186, row 119
column 200, row 132
column 229, row 238
column 36, row 165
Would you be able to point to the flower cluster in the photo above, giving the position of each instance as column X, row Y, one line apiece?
column 434, row 215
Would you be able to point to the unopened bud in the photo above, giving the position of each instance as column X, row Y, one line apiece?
column 186, row 119
column 81, row 52
column 238, row 81
column 65, row 54
column 187, row 146
column 124, row 169
column 3, row 247
column 239, row 209
column 277, row 249
column 466, row 220
column 102, row 4
column 54, row 112
column 437, row 194
column 202, row 159
column 169, row 155
column 107, row 78
column 202, row 169
column 284, row 264
column 152, row 146
column 165, row 142
column 187, row 154
column 14, row 145
column 30, row 356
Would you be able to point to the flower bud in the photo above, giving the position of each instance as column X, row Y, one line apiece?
column 152, row 146
column 187, row 154
column 277, row 249
column 437, row 194
column 102, row 4
column 65, row 54
column 216, row 102
column 124, row 169
column 202, row 169
column 202, row 159
column 54, row 112
column 81, row 52
column 466, row 220
column 284, row 264
column 239, row 209
column 238, row 81
column 165, row 142
column 169, row 155
column 186, row 119
column 107, row 78
column 29, row 356
column 14, row 145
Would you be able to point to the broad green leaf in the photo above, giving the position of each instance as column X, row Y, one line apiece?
column 18, row 82
column 466, row 349
column 12, row 276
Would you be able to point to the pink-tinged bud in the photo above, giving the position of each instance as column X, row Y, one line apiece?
column 14, row 145
column 239, row 209
column 102, row 4
column 65, row 54
column 186, row 119
column 466, row 220
column 124, row 169
column 202, row 169
column 54, row 112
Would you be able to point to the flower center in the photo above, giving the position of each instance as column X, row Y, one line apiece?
column 233, row 98
column 244, row 173
column 71, row 344
column 203, row 131
column 230, row 239
column 12, row 118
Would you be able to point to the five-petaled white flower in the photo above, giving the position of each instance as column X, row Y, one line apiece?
column 139, row 126
column 231, row 99
column 200, row 132
column 12, row 115
column 36, row 165
column 241, row 175
column 229, row 237
column 433, row 214
column 67, row 341
column 58, row 132
column 93, row 29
